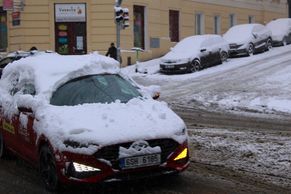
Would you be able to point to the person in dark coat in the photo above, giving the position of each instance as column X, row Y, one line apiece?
column 112, row 51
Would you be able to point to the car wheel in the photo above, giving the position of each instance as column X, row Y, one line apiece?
column 251, row 49
column 47, row 168
column 195, row 66
column 2, row 146
column 223, row 56
column 269, row 44
column 284, row 41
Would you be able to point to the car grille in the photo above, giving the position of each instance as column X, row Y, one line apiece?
column 233, row 46
column 111, row 153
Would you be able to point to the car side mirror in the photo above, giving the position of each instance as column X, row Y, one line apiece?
column 156, row 95
column 203, row 50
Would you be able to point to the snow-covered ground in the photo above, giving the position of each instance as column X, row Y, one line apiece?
column 268, row 156
column 257, row 83
column 246, row 85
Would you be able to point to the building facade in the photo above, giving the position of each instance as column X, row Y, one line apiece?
column 83, row 26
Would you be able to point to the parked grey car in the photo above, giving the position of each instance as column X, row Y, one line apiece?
column 247, row 39
column 195, row 53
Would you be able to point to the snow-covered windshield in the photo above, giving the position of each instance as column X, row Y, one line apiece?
column 105, row 88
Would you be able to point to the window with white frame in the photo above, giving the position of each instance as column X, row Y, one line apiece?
column 199, row 23
column 217, row 24
column 232, row 20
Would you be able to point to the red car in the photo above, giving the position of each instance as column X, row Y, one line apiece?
column 78, row 120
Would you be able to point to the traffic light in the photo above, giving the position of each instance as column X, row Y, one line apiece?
column 125, row 18
column 118, row 14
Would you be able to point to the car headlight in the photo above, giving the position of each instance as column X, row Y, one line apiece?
column 182, row 61
column 84, row 168
column 81, row 171
column 182, row 154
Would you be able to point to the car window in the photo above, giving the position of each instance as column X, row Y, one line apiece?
column 5, row 61
column 94, row 89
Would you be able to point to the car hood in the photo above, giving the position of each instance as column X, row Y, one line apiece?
column 175, row 56
column 98, row 125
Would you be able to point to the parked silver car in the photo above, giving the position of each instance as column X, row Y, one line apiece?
column 247, row 39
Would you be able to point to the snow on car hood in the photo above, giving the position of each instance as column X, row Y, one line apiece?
column 97, row 125
column 175, row 56
column 239, row 34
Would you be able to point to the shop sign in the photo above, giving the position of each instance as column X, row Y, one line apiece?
column 7, row 4
column 70, row 12
column 16, row 18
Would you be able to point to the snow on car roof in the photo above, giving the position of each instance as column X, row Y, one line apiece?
column 189, row 46
column 279, row 26
column 48, row 70
column 191, row 42
column 239, row 33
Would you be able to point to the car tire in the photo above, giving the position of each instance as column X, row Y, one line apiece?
column 284, row 41
column 269, row 44
column 195, row 66
column 223, row 56
column 251, row 49
column 47, row 168
column 2, row 147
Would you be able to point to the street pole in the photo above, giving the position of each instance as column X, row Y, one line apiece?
column 289, row 8
column 118, row 29
column 118, row 42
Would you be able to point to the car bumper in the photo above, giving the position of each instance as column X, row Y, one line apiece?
column 177, row 68
column 237, row 52
column 107, row 173
column 277, row 43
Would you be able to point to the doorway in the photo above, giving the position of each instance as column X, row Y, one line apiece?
column 70, row 28
column 70, row 38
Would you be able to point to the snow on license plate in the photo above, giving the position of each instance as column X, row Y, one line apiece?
column 140, row 161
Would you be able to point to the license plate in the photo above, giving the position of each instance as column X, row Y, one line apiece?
column 169, row 66
column 140, row 161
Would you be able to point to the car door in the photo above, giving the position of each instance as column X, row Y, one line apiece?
column 261, row 36
column 23, row 120
column 205, row 54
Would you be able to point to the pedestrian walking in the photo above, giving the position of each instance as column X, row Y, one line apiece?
column 112, row 51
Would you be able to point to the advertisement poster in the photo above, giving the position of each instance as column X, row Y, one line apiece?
column 15, row 18
column 7, row 4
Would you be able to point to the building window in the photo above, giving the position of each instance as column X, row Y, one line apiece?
column 232, row 20
column 3, row 30
column 251, row 19
column 139, row 26
column 174, row 25
column 199, row 23
column 217, row 25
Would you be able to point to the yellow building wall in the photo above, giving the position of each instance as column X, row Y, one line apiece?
column 37, row 23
